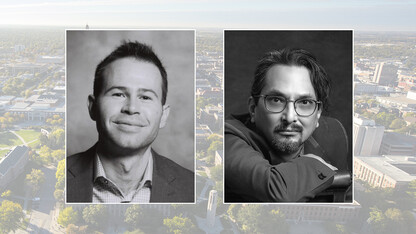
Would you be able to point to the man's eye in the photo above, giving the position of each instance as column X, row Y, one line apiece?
column 118, row 95
column 276, row 99
column 146, row 98
column 305, row 102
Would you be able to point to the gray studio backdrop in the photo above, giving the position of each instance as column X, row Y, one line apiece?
column 176, row 49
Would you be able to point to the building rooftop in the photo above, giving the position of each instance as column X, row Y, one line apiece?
column 12, row 158
column 19, row 106
column 395, row 138
column 398, row 99
column 388, row 165
column 6, row 98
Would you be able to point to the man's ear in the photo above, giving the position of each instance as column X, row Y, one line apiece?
column 92, row 107
column 165, row 115
column 251, row 108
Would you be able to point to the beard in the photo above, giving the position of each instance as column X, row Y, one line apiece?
column 287, row 144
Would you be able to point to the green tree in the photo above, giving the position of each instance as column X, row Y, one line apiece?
column 385, row 119
column 377, row 220
column 411, row 189
column 95, row 216
column 60, row 175
column 179, row 225
column 134, row 216
column 58, row 155
column 58, row 194
column 233, row 211
column 45, row 155
column 73, row 229
column 11, row 216
column 68, row 216
column 34, row 179
column 397, row 123
column 201, row 103
column 57, row 139
column 214, row 137
column 411, row 129
column 214, row 146
column 216, row 173
column 6, row 194
column 250, row 218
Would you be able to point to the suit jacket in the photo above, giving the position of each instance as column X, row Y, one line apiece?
column 170, row 183
column 249, row 176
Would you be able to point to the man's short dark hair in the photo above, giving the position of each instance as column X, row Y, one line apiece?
column 290, row 57
column 137, row 50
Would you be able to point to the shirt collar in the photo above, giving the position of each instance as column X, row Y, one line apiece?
column 147, row 175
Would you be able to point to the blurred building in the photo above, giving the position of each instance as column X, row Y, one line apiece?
column 399, row 101
column 12, row 165
column 320, row 212
column 407, row 81
column 31, row 68
column 212, row 116
column 201, row 134
column 219, row 157
column 386, row 171
column 398, row 144
column 369, row 88
column 212, row 207
column 385, row 74
column 367, row 136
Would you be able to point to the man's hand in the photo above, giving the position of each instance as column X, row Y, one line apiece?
column 321, row 160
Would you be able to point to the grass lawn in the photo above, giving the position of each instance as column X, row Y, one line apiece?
column 28, row 135
column 3, row 153
column 34, row 144
column 8, row 139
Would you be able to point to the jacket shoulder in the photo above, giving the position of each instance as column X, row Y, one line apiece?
column 171, row 182
column 174, row 168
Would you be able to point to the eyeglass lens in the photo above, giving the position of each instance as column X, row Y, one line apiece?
column 303, row 107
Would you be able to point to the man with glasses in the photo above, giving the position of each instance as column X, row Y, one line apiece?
column 270, row 154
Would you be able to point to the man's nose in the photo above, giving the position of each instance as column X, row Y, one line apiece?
column 289, row 114
column 131, row 106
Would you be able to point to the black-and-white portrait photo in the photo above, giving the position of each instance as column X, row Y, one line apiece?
column 288, row 108
column 130, row 116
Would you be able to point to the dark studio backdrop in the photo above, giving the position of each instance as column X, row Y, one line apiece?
column 332, row 49
column 176, row 50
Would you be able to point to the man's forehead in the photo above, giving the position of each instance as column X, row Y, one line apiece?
column 131, row 73
column 288, row 80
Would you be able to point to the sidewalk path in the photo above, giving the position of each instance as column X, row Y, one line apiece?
column 21, row 138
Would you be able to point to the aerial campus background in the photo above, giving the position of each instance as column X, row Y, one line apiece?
column 32, row 118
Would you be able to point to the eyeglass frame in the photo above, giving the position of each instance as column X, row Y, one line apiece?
column 317, row 103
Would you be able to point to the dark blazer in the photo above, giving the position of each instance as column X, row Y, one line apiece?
column 249, row 176
column 170, row 183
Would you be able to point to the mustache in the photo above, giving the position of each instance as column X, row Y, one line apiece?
column 288, row 128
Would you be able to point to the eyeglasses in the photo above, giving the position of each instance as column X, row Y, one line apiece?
column 303, row 107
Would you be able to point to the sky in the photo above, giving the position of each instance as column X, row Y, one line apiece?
column 387, row 15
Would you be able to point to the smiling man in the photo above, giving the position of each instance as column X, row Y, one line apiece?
column 129, row 107
column 270, row 154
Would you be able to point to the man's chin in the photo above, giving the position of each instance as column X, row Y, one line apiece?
column 286, row 145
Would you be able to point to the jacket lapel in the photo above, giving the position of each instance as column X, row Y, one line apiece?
column 162, row 188
column 80, row 177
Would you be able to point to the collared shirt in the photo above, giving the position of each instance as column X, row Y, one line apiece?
column 106, row 191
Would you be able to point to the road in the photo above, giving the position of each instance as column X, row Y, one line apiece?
column 42, row 218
